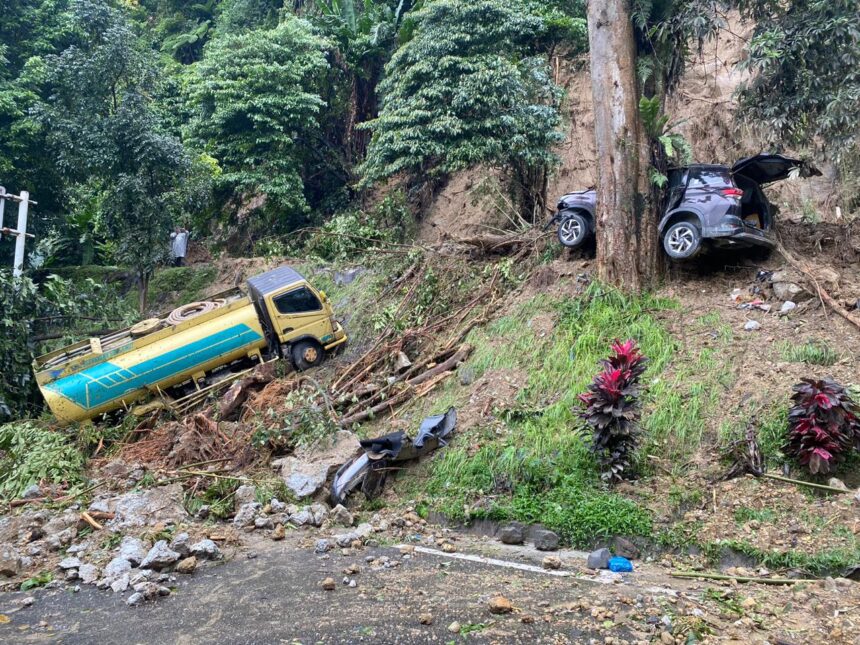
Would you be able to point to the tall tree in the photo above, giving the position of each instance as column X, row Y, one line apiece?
column 105, row 132
column 627, row 244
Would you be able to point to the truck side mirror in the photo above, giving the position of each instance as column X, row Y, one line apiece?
column 323, row 297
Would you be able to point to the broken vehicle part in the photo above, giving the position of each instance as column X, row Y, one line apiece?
column 370, row 469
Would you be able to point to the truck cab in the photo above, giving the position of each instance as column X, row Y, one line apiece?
column 298, row 319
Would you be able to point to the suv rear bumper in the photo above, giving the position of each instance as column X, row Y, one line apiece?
column 731, row 230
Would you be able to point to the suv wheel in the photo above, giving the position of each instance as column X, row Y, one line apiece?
column 573, row 230
column 683, row 240
column 306, row 354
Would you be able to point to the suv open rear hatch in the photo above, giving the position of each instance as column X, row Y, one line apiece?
column 765, row 169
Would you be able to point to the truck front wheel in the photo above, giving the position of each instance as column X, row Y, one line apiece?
column 306, row 354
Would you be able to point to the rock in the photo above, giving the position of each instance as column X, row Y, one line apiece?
column 69, row 563
column 121, row 583
column 148, row 507
column 347, row 276
column 32, row 492
column 263, row 523
column 466, row 374
column 339, row 515
column 135, row 599
column 116, row 568
column 835, row 482
column 551, row 562
column 425, row 618
column 667, row 638
column 545, row 540
column 344, row 539
column 625, row 548
column 328, row 584
column 598, row 559
column 279, row 533
column 500, row 605
column 752, row 325
column 132, row 549
column 787, row 306
column 447, row 547
column 303, row 518
column 60, row 523
column 307, row 470
column 513, row 533
column 88, row 573
column 790, row 291
column 277, row 505
column 187, row 565
column 246, row 514
column 454, row 627
column 142, row 575
column 748, row 602
column 160, row 556
column 319, row 513
column 322, row 546
column 203, row 512
column 245, row 494
column 181, row 544
column 59, row 540
column 857, row 496
column 10, row 562
column 206, row 550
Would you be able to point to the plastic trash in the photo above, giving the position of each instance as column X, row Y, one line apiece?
column 620, row 565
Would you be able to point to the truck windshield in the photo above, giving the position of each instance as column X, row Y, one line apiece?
column 297, row 301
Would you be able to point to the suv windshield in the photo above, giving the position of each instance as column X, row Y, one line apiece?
column 709, row 178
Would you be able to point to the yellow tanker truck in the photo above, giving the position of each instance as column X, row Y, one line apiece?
column 282, row 316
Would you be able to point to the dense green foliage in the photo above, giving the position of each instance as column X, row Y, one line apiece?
column 469, row 88
column 30, row 453
column 805, row 85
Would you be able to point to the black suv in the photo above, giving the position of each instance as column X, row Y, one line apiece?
column 723, row 205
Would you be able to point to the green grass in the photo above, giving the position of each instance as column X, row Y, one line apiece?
column 813, row 352
column 744, row 514
column 178, row 285
column 772, row 424
column 822, row 563
column 538, row 467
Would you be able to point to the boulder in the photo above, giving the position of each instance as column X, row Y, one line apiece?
column 245, row 494
column 500, row 605
column 263, row 522
column 32, row 492
column 303, row 518
column 246, row 514
column 625, row 548
column 323, row 546
column 206, row 550
column 132, row 549
column 69, row 563
column 513, row 533
column 277, row 505
column 752, row 325
column 88, row 573
column 320, row 513
column 551, row 562
column 835, row 482
column 787, row 307
column 790, row 291
column 10, row 562
column 339, row 515
column 120, row 584
column 306, row 471
column 187, row 565
column 160, row 556
column 116, row 568
column 545, row 540
column 58, row 541
column 598, row 559
column 181, row 544
column 144, row 507
column 134, row 599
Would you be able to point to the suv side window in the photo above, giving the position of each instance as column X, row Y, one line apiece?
column 710, row 178
column 297, row 301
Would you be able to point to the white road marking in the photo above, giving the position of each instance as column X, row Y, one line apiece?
column 604, row 578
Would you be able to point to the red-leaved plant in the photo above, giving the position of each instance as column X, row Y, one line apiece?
column 823, row 424
column 612, row 410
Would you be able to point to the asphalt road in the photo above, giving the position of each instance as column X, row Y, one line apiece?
column 276, row 598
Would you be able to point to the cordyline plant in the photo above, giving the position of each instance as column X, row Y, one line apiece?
column 823, row 425
column 612, row 410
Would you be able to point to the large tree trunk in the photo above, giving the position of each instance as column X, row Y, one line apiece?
column 627, row 246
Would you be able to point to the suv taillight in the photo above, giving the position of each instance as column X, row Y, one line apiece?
column 732, row 192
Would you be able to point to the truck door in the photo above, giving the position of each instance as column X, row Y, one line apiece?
column 298, row 312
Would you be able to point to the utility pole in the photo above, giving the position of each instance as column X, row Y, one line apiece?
column 20, row 232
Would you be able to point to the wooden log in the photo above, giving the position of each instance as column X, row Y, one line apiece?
column 458, row 357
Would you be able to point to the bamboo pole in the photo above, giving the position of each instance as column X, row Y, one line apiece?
column 799, row 482
column 720, row 576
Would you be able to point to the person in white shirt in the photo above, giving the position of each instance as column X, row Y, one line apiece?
column 179, row 245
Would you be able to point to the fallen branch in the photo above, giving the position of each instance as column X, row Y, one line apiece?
column 720, row 576
column 62, row 498
column 86, row 517
column 459, row 356
column 800, row 482
column 822, row 294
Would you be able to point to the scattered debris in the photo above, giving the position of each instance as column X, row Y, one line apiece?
column 370, row 469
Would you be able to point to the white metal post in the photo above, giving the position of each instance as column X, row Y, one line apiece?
column 18, row 266
column 2, row 205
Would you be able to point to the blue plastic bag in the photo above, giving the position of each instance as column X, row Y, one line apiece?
column 620, row 565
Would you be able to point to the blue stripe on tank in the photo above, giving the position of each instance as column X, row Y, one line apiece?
column 108, row 382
